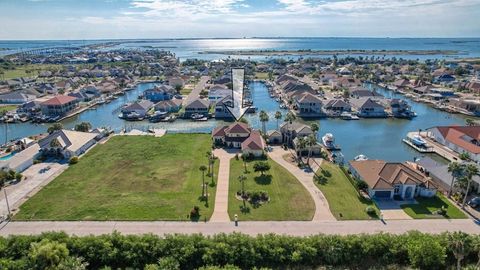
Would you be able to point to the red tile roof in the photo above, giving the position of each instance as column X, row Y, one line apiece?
column 462, row 136
column 219, row 131
column 238, row 127
column 254, row 142
column 59, row 100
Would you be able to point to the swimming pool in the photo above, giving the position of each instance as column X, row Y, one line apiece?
column 7, row 157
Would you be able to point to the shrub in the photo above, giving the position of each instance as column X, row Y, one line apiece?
column 442, row 211
column 18, row 176
column 361, row 185
column 37, row 161
column 73, row 160
column 195, row 212
column 370, row 210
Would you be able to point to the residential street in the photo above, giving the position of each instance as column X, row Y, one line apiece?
column 294, row 228
column 196, row 90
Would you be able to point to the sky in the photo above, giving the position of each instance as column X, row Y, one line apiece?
column 109, row 19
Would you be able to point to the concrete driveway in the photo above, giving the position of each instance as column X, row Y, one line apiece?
column 35, row 179
column 392, row 210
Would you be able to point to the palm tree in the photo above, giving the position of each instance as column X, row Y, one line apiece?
column 311, row 141
column 203, row 168
column 209, row 156
column 263, row 118
column 242, row 179
column 244, row 158
column 301, row 144
column 289, row 118
column 460, row 245
column 314, row 127
column 469, row 122
column 278, row 116
column 456, row 169
column 470, row 171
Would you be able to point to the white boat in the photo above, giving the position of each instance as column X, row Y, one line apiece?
column 418, row 141
column 348, row 116
column 360, row 158
column 329, row 142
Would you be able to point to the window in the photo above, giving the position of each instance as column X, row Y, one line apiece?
column 396, row 190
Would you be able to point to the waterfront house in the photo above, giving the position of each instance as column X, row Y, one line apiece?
column 16, row 98
column 291, row 131
column 422, row 90
column 254, row 144
column 444, row 78
column 82, row 96
column 400, row 108
column 172, row 105
column 59, row 105
column 218, row 92
column 139, row 108
column 198, row 105
column 473, row 86
column 293, row 86
column 67, row 143
column 240, row 135
column 402, row 83
column 439, row 173
column 308, row 105
column 368, row 107
column 345, row 82
column 338, row 105
column 176, row 82
column 471, row 105
column 274, row 137
column 389, row 180
column 21, row 160
column 221, row 110
column 358, row 92
column 460, row 139
column 445, row 93
column 160, row 93
column 285, row 78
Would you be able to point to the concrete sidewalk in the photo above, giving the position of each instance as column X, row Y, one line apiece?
column 294, row 228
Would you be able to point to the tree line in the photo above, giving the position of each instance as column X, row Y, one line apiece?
column 237, row 251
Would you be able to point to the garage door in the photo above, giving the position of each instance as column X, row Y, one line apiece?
column 383, row 194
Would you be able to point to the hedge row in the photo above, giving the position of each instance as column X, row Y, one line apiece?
column 414, row 249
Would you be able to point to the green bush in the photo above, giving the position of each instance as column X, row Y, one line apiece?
column 412, row 250
column 370, row 210
column 361, row 185
column 73, row 160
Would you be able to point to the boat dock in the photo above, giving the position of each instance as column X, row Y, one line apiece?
column 432, row 146
column 409, row 141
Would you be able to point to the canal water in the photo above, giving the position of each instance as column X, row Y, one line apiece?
column 375, row 138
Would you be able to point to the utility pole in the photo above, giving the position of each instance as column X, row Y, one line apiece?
column 6, row 200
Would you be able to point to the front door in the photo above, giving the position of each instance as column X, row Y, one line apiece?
column 408, row 193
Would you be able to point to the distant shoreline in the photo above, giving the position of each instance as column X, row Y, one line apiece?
column 332, row 52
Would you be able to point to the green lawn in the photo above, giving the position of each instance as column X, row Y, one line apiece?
column 7, row 108
column 129, row 178
column 185, row 91
column 289, row 200
column 344, row 201
column 427, row 206
column 261, row 75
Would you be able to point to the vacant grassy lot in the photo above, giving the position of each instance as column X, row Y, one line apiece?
column 7, row 108
column 261, row 75
column 289, row 200
column 427, row 206
column 344, row 201
column 129, row 178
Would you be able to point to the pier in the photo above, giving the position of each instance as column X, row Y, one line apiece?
column 432, row 146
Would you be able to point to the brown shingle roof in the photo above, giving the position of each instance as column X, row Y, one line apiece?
column 254, row 142
column 59, row 100
column 379, row 174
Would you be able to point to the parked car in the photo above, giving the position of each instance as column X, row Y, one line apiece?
column 474, row 202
